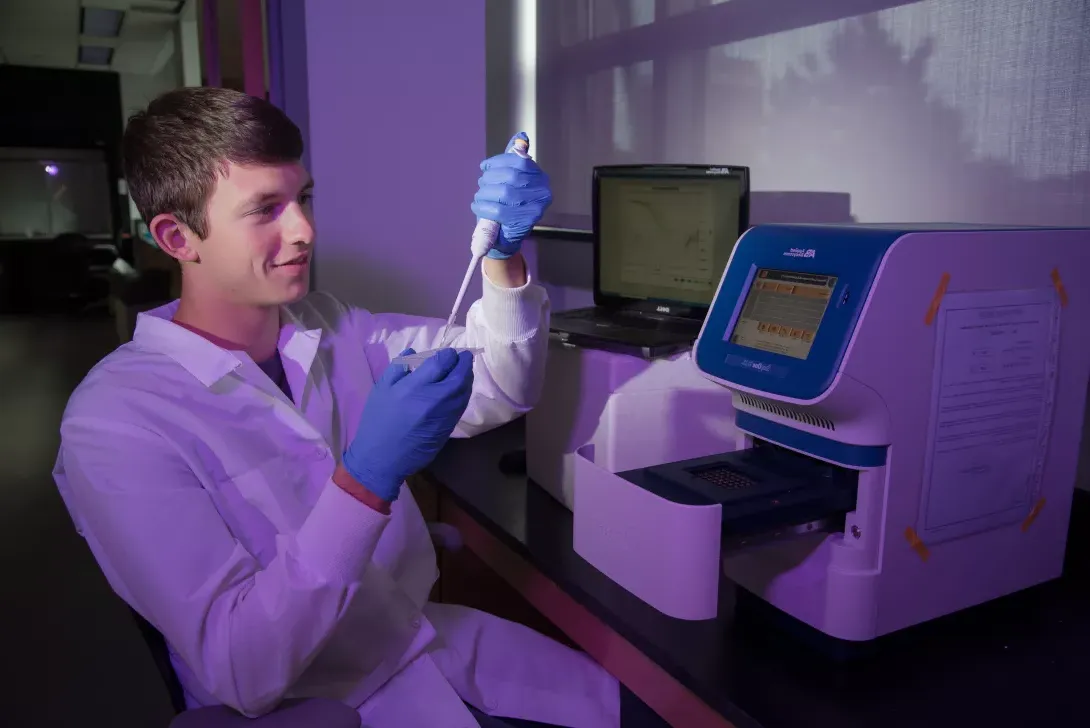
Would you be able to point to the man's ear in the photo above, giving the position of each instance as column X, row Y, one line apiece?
column 173, row 238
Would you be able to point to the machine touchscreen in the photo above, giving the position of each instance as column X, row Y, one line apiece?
column 783, row 311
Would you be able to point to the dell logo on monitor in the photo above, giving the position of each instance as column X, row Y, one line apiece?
column 662, row 309
column 801, row 253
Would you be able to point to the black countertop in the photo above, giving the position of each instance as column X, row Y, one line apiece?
column 1018, row 661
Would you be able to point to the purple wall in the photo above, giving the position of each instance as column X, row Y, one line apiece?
column 397, row 130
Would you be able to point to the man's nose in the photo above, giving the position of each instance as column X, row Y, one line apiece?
column 298, row 227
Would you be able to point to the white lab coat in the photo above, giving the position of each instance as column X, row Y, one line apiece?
column 205, row 495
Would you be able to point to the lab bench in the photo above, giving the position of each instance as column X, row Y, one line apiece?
column 1014, row 662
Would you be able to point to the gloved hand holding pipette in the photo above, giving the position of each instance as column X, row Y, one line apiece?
column 513, row 193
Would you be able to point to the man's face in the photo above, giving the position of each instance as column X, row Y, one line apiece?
column 260, row 235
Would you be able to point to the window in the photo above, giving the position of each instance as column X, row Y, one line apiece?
column 933, row 110
column 45, row 192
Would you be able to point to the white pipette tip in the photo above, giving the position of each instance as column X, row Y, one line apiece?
column 461, row 295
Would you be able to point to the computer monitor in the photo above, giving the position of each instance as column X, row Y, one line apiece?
column 663, row 234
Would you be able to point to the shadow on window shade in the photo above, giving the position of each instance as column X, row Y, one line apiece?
column 46, row 192
column 936, row 110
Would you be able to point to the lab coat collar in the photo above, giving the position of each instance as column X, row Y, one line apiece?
column 210, row 363
column 297, row 343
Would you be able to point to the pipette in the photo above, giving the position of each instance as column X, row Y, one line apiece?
column 485, row 235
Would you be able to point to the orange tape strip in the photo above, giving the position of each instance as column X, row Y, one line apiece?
column 1059, row 284
column 1034, row 512
column 933, row 309
column 917, row 545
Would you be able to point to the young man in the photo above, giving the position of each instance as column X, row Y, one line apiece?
column 238, row 468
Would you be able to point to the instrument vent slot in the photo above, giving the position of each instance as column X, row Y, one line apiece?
column 785, row 411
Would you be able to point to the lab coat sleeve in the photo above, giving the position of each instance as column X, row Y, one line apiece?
column 510, row 324
column 246, row 632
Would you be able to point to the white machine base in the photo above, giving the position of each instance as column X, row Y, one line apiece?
column 629, row 412
column 665, row 553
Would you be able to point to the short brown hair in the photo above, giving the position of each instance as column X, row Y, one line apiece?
column 174, row 150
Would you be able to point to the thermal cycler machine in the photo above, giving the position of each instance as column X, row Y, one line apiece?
column 909, row 401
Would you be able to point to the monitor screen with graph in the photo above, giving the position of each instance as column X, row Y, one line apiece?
column 667, row 235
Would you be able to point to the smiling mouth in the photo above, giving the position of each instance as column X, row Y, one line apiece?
column 298, row 260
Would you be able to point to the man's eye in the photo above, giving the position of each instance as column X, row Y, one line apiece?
column 266, row 210
column 305, row 198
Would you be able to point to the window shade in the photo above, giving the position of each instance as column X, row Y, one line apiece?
column 935, row 110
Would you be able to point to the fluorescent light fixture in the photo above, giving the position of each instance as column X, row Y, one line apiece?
column 95, row 55
column 101, row 22
column 525, row 84
column 165, row 7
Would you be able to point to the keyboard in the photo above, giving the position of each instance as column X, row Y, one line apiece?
column 632, row 321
